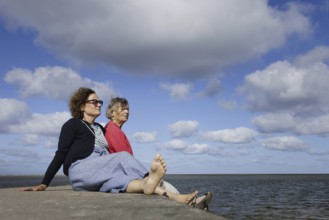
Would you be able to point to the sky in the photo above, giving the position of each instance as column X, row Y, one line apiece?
column 214, row 86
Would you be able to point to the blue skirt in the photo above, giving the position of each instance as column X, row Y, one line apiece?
column 105, row 172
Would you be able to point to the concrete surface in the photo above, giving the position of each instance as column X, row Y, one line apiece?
column 61, row 202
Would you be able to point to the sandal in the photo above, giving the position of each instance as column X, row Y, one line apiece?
column 193, row 201
column 208, row 200
column 203, row 203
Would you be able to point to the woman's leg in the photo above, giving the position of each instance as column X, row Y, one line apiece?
column 149, row 184
column 181, row 198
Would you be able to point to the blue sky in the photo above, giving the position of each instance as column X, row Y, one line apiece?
column 220, row 87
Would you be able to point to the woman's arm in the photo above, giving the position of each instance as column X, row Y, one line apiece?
column 66, row 138
column 40, row 187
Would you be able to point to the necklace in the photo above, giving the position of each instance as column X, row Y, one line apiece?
column 98, row 136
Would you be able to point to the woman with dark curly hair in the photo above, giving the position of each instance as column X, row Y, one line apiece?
column 83, row 152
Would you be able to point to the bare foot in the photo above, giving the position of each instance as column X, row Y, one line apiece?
column 157, row 172
column 182, row 198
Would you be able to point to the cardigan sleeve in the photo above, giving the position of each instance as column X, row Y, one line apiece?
column 66, row 139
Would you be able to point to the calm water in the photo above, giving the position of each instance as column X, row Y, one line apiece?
column 262, row 196
column 242, row 196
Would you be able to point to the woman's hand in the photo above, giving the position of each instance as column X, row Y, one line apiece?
column 40, row 187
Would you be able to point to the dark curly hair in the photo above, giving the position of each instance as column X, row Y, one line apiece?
column 114, row 104
column 78, row 99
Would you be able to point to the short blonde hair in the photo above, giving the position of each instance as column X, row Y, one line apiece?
column 114, row 104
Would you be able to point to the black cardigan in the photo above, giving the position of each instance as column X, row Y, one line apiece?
column 76, row 142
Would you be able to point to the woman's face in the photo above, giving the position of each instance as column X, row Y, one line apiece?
column 92, row 107
column 121, row 114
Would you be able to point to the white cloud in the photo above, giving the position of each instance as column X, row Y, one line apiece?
column 183, row 128
column 54, row 82
column 12, row 111
column 285, row 122
column 318, row 54
column 178, row 91
column 16, row 118
column 176, row 144
column 291, row 94
column 286, row 143
column 154, row 36
column 284, row 87
column 30, row 139
column 42, row 124
column 196, row 149
column 184, row 147
column 293, row 20
column 318, row 125
column 279, row 86
column 234, row 136
column 280, row 122
column 146, row 137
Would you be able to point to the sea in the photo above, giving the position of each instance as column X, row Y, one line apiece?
column 247, row 196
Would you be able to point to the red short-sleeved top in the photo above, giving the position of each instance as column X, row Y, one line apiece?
column 117, row 139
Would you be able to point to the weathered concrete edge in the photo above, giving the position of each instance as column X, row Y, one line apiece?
column 61, row 202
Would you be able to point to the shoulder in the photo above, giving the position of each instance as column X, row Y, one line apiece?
column 111, row 125
column 72, row 124
column 107, row 125
column 72, row 121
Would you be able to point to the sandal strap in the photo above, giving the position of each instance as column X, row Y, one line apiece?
column 193, row 201
column 165, row 194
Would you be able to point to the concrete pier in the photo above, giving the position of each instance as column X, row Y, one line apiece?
column 61, row 202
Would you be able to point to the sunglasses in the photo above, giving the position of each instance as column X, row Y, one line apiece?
column 95, row 102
